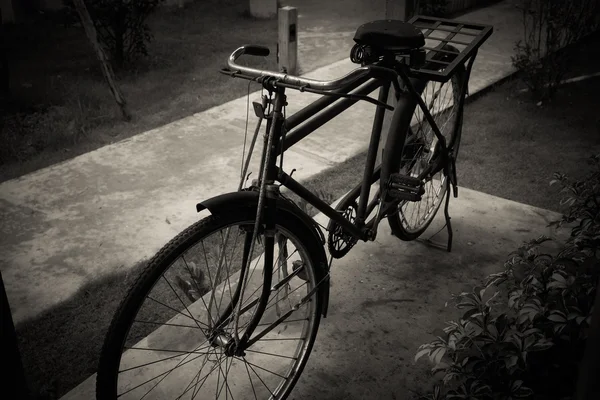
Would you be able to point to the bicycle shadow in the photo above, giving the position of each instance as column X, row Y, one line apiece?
column 388, row 298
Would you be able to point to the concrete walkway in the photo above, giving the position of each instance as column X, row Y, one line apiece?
column 106, row 210
column 376, row 321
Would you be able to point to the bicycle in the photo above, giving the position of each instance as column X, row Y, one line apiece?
column 255, row 312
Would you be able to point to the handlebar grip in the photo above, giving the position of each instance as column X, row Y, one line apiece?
column 255, row 50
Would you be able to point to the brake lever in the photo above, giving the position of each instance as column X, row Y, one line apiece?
column 227, row 71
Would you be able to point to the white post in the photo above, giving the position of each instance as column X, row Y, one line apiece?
column 287, row 45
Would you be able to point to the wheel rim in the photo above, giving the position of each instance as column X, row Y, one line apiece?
column 177, row 361
column 421, row 147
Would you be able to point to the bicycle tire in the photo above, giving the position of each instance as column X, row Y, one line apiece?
column 112, row 350
column 396, row 219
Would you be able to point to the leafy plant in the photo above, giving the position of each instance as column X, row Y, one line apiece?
column 522, row 333
column 549, row 26
column 122, row 27
column 583, row 199
column 194, row 285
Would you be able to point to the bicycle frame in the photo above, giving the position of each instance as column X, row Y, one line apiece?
column 297, row 133
column 281, row 137
column 315, row 115
column 283, row 133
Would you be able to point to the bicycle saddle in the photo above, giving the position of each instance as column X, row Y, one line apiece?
column 390, row 35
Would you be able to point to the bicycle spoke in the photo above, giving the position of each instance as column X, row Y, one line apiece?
column 220, row 373
column 218, row 273
column 164, row 375
column 247, row 307
column 194, row 378
column 255, row 373
column 177, row 311
column 259, row 288
column 201, row 297
column 197, row 388
column 282, row 319
column 183, row 304
column 269, row 302
column 210, row 264
column 271, row 354
column 267, row 307
column 225, row 384
column 288, row 321
column 179, row 354
column 266, row 370
column 212, row 283
column 164, row 324
column 251, row 383
column 204, row 379
column 228, row 270
column 164, row 350
column 227, row 371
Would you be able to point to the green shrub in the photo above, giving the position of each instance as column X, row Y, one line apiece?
column 549, row 26
column 526, row 339
column 28, row 133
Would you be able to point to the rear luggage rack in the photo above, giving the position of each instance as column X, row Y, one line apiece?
column 440, row 64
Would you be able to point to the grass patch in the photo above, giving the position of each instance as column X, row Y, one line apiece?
column 55, row 76
column 61, row 107
column 511, row 145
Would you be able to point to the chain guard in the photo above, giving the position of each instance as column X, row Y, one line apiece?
column 339, row 241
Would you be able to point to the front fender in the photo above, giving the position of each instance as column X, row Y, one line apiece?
column 249, row 200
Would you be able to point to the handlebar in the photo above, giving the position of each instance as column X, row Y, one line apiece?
column 371, row 71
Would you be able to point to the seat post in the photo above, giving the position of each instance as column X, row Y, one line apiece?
column 277, row 120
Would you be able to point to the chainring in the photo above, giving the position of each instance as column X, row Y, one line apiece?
column 340, row 241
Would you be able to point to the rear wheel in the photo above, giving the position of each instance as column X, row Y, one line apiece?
column 420, row 147
column 165, row 341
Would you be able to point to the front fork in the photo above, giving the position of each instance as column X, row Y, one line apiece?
column 265, row 222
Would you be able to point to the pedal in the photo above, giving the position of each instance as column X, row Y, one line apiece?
column 402, row 187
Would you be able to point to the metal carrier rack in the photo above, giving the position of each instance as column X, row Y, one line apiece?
column 439, row 63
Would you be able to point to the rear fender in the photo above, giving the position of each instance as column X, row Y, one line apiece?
column 248, row 200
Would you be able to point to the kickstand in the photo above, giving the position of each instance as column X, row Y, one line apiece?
column 450, row 184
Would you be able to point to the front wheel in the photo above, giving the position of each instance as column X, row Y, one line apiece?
column 421, row 147
column 171, row 336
